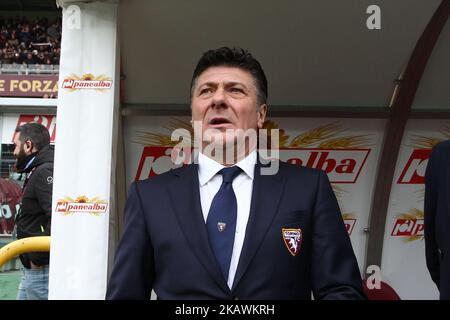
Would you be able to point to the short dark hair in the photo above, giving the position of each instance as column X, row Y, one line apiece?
column 233, row 57
column 36, row 133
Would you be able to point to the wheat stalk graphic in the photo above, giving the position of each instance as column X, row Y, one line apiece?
column 324, row 136
column 426, row 142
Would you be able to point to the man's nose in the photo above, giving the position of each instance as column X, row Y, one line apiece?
column 219, row 98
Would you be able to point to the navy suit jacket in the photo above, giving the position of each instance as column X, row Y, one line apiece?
column 437, row 217
column 165, row 242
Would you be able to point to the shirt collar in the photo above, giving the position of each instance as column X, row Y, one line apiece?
column 29, row 163
column 208, row 168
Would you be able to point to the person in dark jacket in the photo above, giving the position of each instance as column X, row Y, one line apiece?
column 437, row 217
column 34, row 156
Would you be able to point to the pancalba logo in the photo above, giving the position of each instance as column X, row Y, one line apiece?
column 81, row 204
column 87, row 81
column 409, row 225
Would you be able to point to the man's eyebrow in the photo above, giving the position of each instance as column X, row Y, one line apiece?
column 227, row 83
column 234, row 83
column 208, row 84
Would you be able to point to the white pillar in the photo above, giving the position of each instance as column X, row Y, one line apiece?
column 84, row 158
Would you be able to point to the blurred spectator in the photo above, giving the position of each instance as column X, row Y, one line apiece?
column 30, row 59
column 40, row 58
column 24, row 41
column 53, row 31
column 13, row 41
column 10, row 195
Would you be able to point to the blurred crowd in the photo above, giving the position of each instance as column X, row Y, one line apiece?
column 34, row 41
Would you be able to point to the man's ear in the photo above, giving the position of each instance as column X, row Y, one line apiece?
column 28, row 146
column 262, row 112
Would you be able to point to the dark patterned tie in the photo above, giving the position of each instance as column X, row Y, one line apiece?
column 221, row 221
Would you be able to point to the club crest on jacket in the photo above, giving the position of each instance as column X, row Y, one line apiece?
column 221, row 226
column 292, row 239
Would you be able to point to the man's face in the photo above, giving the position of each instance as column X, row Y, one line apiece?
column 226, row 98
column 21, row 150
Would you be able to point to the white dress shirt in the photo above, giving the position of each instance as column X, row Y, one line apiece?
column 210, row 182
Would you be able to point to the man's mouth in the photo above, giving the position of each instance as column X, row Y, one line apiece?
column 218, row 121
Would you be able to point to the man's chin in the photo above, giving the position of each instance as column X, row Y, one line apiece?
column 221, row 137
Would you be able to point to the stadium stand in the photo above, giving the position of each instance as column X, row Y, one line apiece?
column 29, row 46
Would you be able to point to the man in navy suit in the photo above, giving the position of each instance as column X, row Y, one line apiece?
column 221, row 229
column 437, row 217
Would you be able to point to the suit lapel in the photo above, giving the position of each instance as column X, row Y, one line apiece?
column 266, row 196
column 185, row 195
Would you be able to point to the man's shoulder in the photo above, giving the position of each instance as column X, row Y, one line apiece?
column 291, row 173
column 42, row 172
column 294, row 171
column 442, row 148
column 45, row 167
column 164, row 178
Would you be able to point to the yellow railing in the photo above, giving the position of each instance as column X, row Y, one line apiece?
column 32, row 244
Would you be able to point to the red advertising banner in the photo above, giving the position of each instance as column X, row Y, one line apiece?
column 42, row 86
column 342, row 165
column 48, row 121
column 414, row 171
